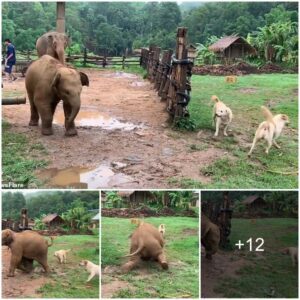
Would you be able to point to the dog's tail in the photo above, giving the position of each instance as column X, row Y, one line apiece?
column 215, row 98
column 267, row 114
column 51, row 243
column 139, row 249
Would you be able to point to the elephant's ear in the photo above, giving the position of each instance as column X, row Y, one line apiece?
column 55, row 81
column 9, row 237
column 84, row 79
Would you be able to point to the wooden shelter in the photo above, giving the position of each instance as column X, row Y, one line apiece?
column 53, row 220
column 95, row 221
column 135, row 197
column 255, row 203
column 230, row 48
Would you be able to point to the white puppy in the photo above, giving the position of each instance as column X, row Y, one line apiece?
column 293, row 252
column 162, row 229
column 91, row 268
column 222, row 114
column 270, row 129
column 62, row 255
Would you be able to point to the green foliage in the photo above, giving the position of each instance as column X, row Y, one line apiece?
column 41, row 202
column 38, row 223
column 19, row 158
column 77, row 218
column 113, row 200
column 204, row 55
column 185, row 123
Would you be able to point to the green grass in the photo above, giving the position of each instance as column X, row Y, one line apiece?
column 275, row 270
column 20, row 158
column 236, row 170
column 182, row 251
column 69, row 280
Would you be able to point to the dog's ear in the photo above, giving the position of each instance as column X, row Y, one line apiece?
column 285, row 118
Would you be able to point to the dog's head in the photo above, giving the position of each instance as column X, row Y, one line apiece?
column 83, row 263
column 285, row 118
column 7, row 237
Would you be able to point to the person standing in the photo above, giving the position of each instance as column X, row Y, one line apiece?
column 10, row 59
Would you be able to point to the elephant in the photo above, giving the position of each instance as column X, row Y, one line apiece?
column 146, row 244
column 47, row 82
column 54, row 44
column 25, row 247
column 210, row 236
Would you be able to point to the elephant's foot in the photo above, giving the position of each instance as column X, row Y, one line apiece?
column 71, row 132
column 47, row 131
column 33, row 123
column 164, row 265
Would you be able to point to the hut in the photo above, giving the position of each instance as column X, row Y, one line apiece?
column 230, row 48
column 255, row 204
column 53, row 220
column 134, row 198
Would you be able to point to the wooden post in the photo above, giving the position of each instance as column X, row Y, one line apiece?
column 177, row 88
column 84, row 56
column 60, row 17
column 224, row 220
column 123, row 62
column 165, row 83
column 156, row 53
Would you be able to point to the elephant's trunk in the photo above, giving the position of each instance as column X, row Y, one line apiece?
column 61, row 54
column 75, row 110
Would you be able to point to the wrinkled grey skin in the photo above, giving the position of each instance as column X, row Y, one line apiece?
column 47, row 82
column 54, row 44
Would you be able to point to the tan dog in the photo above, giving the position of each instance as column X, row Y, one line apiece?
column 293, row 252
column 136, row 221
column 270, row 129
column 231, row 79
column 162, row 229
column 92, row 268
column 222, row 114
column 62, row 255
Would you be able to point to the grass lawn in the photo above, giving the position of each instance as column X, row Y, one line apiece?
column 236, row 170
column 69, row 280
column 273, row 270
column 20, row 158
column 182, row 251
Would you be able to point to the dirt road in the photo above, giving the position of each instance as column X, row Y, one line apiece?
column 22, row 285
column 124, row 139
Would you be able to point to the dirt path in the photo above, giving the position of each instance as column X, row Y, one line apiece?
column 22, row 285
column 223, row 266
column 124, row 139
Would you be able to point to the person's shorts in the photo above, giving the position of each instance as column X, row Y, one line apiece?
column 9, row 67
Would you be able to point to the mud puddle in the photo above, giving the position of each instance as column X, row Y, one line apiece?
column 97, row 119
column 120, row 75
column 82, row 177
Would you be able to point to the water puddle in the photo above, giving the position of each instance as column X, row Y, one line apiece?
column 82, row 177
column 137, row 83
column 96, row 119
column 120, row 75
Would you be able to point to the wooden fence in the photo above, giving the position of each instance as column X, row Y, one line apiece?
column 170, row 74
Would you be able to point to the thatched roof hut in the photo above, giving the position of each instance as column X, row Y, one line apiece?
column 232, row 47
column 53, row 220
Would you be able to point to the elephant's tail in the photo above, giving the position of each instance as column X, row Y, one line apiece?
column 139, row 249
column 51, row 243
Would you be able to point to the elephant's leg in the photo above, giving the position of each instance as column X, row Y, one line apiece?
column 43, row 261
column 14, row 262
column 130, row 264
column 47, row 118
column 34, row 115
column 69, row 124
column 26, row 265
column 163, row 261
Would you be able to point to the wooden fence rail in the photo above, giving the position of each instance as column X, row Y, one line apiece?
column 171, row 74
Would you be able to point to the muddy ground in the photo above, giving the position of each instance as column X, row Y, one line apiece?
column 224, row 265
column 124, row 138
column 22, row 285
